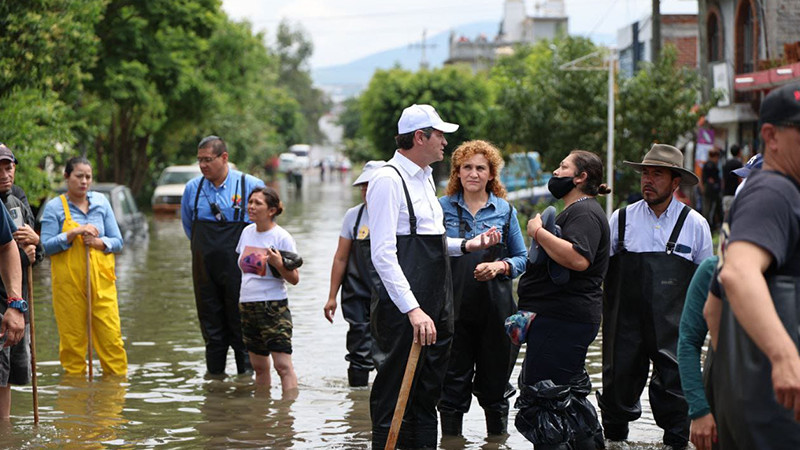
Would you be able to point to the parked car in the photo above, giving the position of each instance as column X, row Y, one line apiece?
column 169, row 188
column 132, row 223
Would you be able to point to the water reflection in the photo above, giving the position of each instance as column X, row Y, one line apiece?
column 90, row 413
column 166, row 403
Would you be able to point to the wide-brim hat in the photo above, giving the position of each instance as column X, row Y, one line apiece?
column 662, row 155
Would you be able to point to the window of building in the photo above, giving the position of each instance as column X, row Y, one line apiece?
column 746, row 37
column 714, row 34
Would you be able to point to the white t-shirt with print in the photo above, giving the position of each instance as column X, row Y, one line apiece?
column 258, row 283
column 349, row 221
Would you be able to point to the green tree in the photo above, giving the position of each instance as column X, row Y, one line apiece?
column 293, row 49
column 457, row 94
column 244, row 106
column 537, row 106
column 658, row 105
column 47, row 49
column 146, row 79
column 350, row 118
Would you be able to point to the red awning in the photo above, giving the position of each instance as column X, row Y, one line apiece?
column 767, row 79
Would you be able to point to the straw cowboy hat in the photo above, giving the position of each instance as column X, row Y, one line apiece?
column 661, row 155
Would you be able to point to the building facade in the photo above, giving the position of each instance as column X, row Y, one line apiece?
column 517, row 27
column 634, row 42
column 748, row 47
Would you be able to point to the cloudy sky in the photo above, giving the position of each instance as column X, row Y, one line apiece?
column 345, row 30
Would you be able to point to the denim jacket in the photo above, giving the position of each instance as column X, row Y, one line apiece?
column 493, row 213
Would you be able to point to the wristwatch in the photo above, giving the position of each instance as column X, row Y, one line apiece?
column 18, row 303
column 464, row 247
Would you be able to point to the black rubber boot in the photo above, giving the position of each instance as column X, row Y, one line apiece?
column 451, row 423
column 358, row 377
column 496, row 422
column 615, row 431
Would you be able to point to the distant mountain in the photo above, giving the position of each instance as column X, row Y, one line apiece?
column 355, row 75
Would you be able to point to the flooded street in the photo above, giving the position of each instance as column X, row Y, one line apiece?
column 166, row 403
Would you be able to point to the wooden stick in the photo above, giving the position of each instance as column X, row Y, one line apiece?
column 89, row 308
column 402, row 397
column 34, row 383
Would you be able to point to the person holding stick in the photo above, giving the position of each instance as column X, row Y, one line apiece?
column 411, row 286
column 15, row 362
column 71, row 222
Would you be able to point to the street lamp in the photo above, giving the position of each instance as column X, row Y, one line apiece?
column 609, row 63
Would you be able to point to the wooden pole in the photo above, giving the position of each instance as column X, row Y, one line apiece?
column 402, row 397
column 34, row 383
column 89, row 309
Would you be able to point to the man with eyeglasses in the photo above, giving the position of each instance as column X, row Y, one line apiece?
column 755, row 374
column 214, row 213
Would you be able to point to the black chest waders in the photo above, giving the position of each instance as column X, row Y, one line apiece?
column 643, row 301
column 356, row 298
column 217, row 280
column 426, row 266
column 482, row 357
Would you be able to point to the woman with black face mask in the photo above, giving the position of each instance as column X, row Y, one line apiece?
column 566, row 310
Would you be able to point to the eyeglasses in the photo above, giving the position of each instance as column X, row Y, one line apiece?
column 206, row 159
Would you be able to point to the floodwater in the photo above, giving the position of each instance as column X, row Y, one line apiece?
column 166, row 403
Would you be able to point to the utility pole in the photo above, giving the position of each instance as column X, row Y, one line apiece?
column 655, row 45
column 423, row 61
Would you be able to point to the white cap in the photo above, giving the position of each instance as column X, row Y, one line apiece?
column 417, row 117
column 369, row 170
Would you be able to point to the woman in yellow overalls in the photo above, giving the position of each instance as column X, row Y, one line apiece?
column 71, row 223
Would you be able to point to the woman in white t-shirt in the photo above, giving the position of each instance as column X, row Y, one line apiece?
column 263, row 303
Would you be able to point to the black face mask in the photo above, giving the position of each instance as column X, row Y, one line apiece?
column 560, row 186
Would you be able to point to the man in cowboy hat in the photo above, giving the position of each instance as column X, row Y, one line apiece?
column 656, row 245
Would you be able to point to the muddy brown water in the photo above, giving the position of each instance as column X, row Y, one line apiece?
column 166, row 403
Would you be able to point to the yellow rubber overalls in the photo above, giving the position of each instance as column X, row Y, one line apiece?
column 68, row 269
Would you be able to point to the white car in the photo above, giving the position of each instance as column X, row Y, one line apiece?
column 170, row 186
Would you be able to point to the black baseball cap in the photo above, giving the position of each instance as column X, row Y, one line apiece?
column 781, row 106
column 7, row 154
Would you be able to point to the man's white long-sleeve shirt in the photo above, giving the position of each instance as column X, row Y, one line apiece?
column 388, row 218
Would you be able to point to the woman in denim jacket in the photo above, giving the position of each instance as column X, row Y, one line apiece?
column 482, row 356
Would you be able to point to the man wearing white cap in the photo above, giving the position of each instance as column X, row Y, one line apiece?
column 412, row 298
column 347, row 271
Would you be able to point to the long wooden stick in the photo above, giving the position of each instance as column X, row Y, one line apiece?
column 34, row 383
column 402, row 397
column 89, row 308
